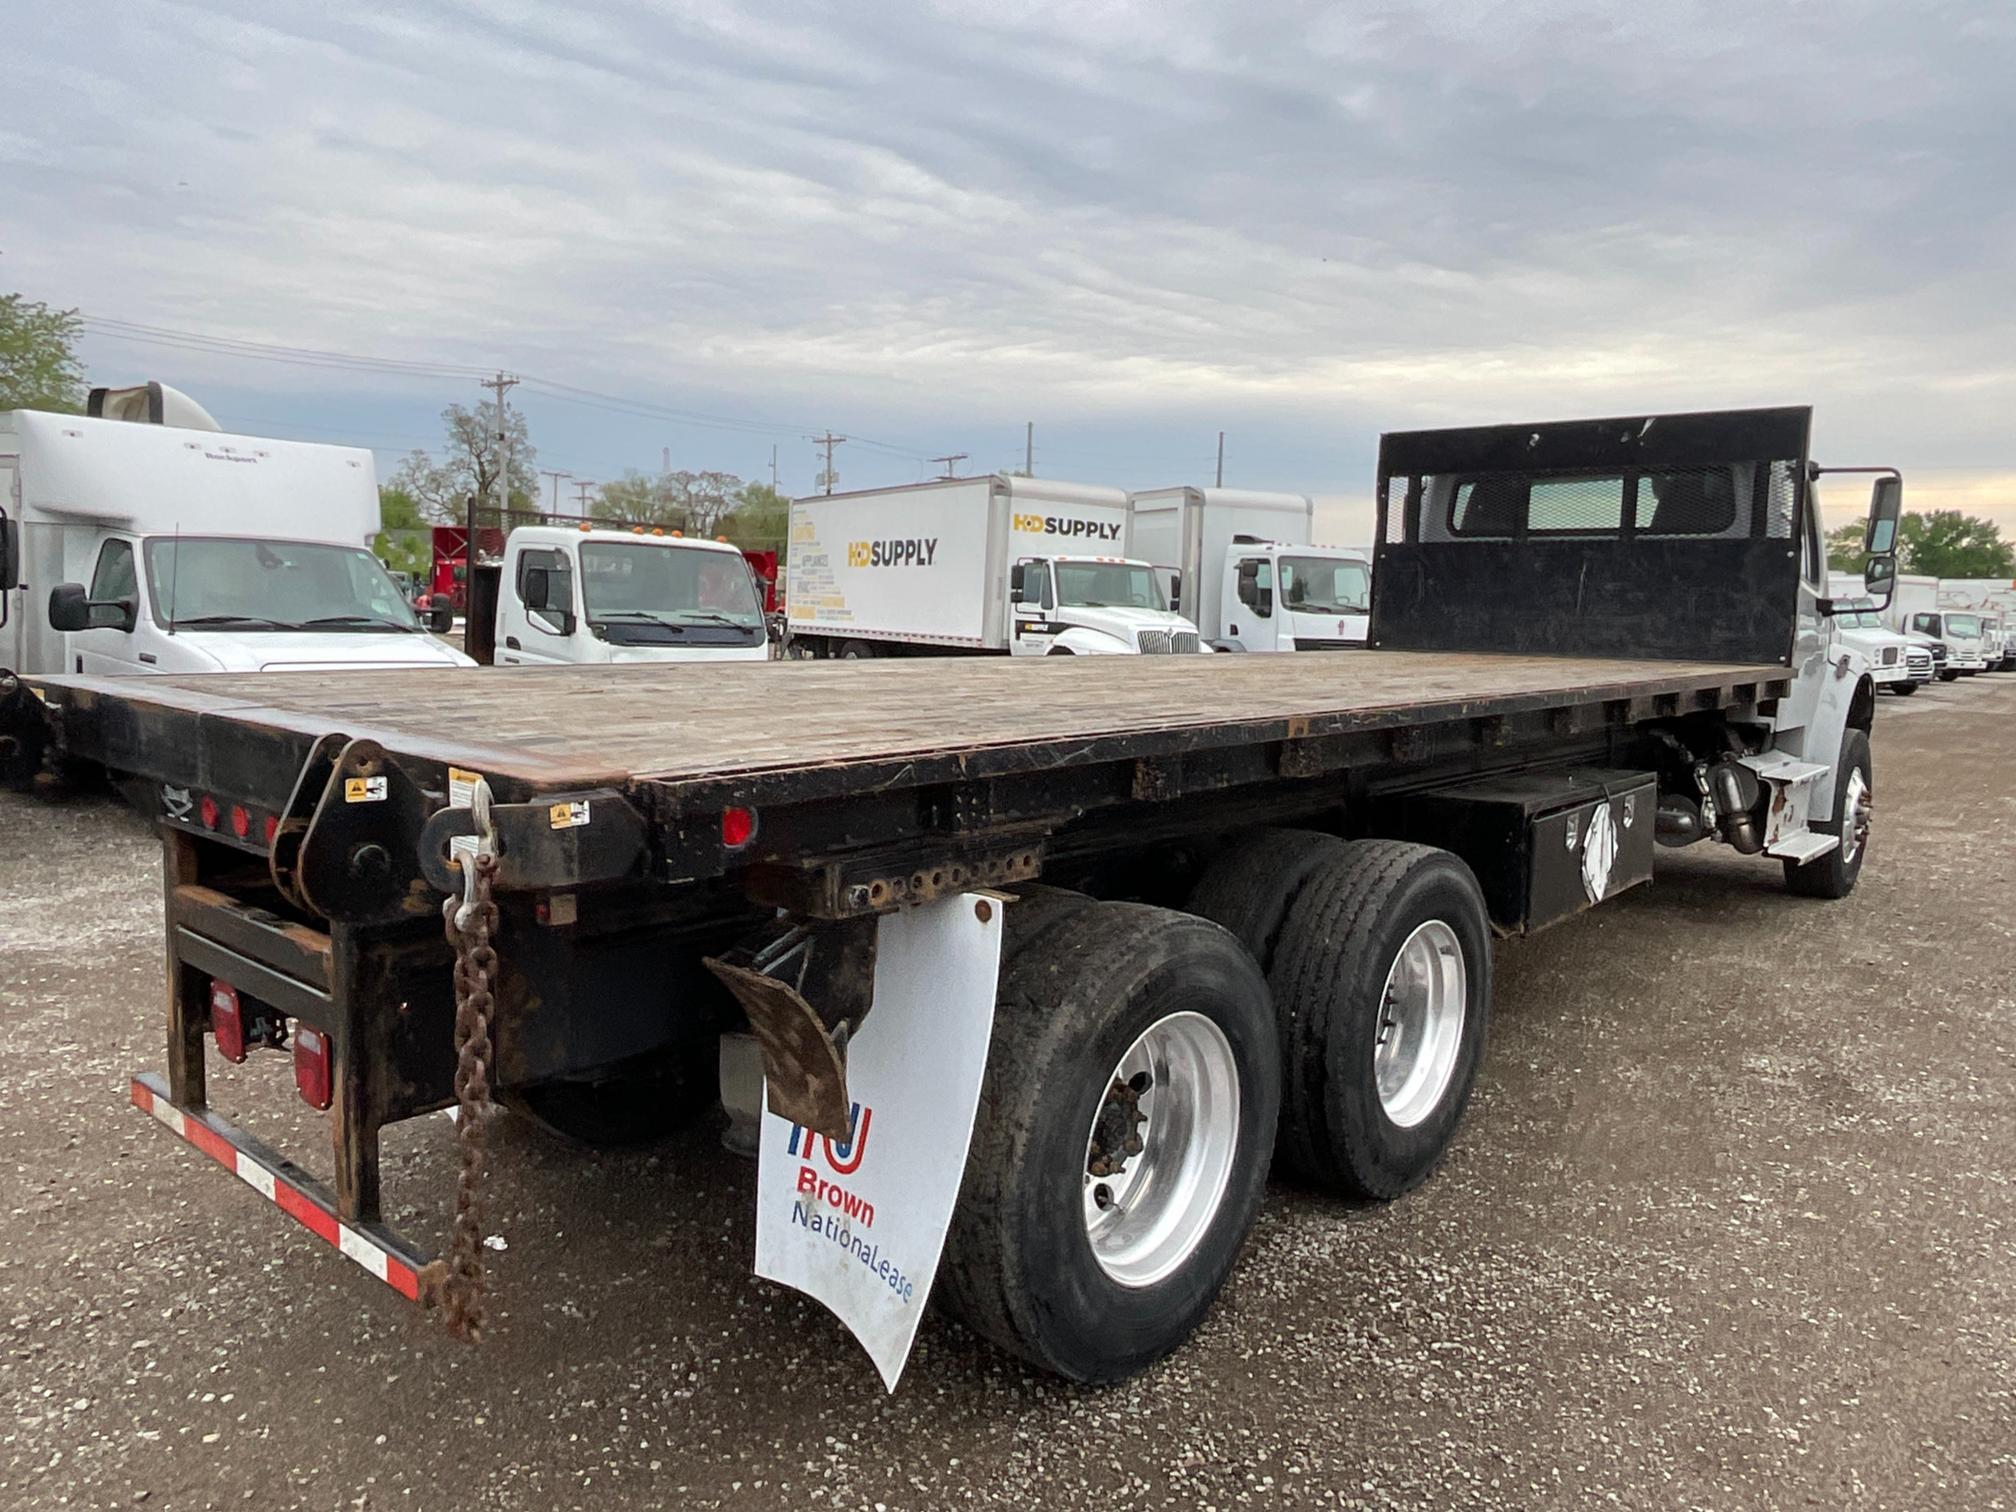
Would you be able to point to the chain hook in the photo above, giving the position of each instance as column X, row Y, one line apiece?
column 485, row 844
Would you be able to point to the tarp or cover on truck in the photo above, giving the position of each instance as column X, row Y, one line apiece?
column 1665, row 537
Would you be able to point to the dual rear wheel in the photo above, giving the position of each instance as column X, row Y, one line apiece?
column 1324, row 1001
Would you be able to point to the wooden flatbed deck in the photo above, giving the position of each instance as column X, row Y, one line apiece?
column 871, row 725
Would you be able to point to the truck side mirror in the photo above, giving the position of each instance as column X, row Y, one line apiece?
column 69, row 610
column 1255, row 597
column 1018, row 583
column 10, row 556
column 1886, row 508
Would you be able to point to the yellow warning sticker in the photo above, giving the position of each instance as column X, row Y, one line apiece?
column 363, row 789
column 569, row 815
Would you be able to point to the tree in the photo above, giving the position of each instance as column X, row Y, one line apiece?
column 760, row 519
column 468, row 464
column 1844, row 547
column 402, row 542
column 38, row 357
column 695, row 502
column 1948, row 544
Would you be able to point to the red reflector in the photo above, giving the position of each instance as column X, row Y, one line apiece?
column 227, row 1021
column 208, row 809
column 311, row 1066
column 738, row 827
column 241, row 822
column 270, row 828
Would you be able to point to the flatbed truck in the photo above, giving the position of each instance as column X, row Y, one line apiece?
column 1245, row 905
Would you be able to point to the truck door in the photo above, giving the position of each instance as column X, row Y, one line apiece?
column 108, row 651
column 538, row 611
column 1249, row 602
column 1032, row 600
column 14, row 635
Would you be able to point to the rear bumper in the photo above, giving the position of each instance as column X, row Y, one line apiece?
column 297, row 1194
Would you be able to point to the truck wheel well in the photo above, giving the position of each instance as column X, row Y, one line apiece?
column 1862, row 707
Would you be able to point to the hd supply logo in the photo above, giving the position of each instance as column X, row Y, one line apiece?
column 916, row 551
column 1051, row 525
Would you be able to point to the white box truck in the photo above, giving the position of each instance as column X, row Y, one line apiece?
column 1995, row 600
column 1025, row 566
column 1246, row 571
column 1915, row 609
column 172, row 546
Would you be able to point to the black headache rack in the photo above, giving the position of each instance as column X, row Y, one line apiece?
column 1653, row 536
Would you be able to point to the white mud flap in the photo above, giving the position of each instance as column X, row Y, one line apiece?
column 860, row 1225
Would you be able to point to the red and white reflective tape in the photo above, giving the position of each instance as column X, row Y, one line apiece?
column 279, row 1183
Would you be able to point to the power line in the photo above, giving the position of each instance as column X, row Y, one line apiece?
column 566, row 393
column 951, row 462
column 556, row 476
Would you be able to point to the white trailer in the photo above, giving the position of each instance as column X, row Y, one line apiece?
column 1025, row 566
column 1247, row 572
column 172, row 546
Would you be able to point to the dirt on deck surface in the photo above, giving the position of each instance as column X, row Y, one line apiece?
column 1732, row 1223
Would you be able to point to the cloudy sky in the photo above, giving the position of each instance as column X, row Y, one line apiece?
column 1134, row 224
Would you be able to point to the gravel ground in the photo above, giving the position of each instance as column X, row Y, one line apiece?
column 1730, row 1224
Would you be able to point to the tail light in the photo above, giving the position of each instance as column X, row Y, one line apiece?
column 241, row 821
column 209, row 811
column 312, row 1077
column 227, row 1022
column 738, row 827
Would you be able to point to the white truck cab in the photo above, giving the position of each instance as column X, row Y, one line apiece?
column 1895, row 662
column 1965, row 634
column 171, row 546
column 577, row 595
column 1092, row 606
column 1245, row 572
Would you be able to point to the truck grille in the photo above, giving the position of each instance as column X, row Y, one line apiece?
column 1918, row 659
column 1152, row 642
column 1183, row 642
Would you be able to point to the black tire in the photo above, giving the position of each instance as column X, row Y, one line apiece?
column 1076, row 993
column 1834, row 874
column 1336, row 950
column 1249, row 886
column 854, row 650
column 1948, row 676
column 638, row 1102
column 1904, row 689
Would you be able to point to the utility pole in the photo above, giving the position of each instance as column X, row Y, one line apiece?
column 556, row 477
column 500, row 384
column 773, row 467
column 1221, row 459
column 582, row 485
column 1029, row 450
column 827, row 477
column 951, row 464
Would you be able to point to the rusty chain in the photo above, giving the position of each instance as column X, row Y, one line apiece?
column 470, row 920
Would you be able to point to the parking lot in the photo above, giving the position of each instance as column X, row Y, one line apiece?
column 1732, row 1223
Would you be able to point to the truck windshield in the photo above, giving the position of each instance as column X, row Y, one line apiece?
column 1108, row 585
column 677, row 585
column 1321, row 585
column 1965, row 625
column 232, row 583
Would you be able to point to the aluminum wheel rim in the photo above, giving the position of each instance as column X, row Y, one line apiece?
column 1421, row 1016
column 1145, row 1218
column 1855, row 816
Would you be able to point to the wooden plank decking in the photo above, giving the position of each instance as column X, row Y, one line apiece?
column 707, row 721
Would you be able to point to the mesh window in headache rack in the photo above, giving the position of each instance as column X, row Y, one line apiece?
column 1683, row 501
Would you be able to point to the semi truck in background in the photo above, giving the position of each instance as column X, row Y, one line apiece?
column 1915, row 609
column 1246, row 572
column 1995, row 600
column 141, row 537
column 1022, row 566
